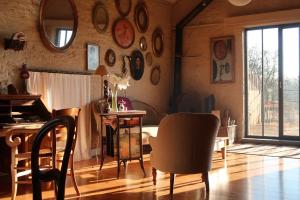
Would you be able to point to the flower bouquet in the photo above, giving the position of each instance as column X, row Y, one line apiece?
column 120, row 82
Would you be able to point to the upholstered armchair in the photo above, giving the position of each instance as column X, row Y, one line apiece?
column 184, row 145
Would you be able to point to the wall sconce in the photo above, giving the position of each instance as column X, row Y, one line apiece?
column 16, row 42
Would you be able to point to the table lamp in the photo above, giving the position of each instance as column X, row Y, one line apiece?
column 101, row 70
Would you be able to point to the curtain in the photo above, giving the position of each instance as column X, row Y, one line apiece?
column 65, row 91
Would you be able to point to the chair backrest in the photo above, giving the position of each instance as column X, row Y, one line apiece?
column 152, row 117
column 74, row 113
column 185, row 143
column 59, row 176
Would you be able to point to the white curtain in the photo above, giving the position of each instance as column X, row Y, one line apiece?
column 65, row 91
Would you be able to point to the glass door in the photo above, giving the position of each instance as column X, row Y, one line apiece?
column 262, row 83
column 290, row 76
column 272, row 82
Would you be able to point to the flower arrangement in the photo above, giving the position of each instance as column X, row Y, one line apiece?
column 120, row 82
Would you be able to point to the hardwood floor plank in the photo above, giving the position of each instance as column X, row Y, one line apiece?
column 241, row 177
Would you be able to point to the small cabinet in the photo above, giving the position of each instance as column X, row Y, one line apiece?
column 228, row 131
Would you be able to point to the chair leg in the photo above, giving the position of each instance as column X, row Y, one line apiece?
column 73, row 176
column 14, row 184
column 14, row 175
column 206, row 180
column 172, row 177
column 223, row 151
column 154, row 175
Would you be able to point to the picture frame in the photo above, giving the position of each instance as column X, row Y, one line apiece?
column 93, row 56
column 222, row 59
column 110, row 57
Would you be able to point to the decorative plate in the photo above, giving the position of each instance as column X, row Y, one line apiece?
column 137, row 65
column 141, row 17
column 155, row 75
column 158, row 42
column 123, row 33
column 110, row 57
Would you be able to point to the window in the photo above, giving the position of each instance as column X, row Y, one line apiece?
column 63, row 36
column 272, row 82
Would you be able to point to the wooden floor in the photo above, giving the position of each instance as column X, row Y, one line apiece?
column 241, row 177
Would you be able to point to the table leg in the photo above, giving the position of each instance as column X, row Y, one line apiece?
column 141, row 148
column 223, row 150
column 118, row 145
column 101, row 139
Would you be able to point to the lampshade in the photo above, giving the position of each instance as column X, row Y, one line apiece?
column 239, row 2
column 101, row 70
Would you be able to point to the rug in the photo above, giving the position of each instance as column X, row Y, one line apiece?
column 265, row 150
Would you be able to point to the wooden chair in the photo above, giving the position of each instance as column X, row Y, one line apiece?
column 184, row 145
column 20, row 161
column 60, row 137
column 54, row 174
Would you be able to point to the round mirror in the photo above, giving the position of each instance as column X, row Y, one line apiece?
column 58, row 23
column 143, row 44
column 100, row 18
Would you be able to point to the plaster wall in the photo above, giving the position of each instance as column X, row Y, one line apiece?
column 220, row 18
column 23, row 15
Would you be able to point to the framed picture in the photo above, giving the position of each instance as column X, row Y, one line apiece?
column 110, row 57
column 222, row 59
column 93, row 54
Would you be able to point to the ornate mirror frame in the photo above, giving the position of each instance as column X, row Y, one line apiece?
column 97, row 7
column 49, row 45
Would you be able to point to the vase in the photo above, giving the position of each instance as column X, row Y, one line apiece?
column 114, row 99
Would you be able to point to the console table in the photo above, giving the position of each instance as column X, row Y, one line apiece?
column 127, row 125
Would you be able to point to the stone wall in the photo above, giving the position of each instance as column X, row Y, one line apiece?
column 220, row 18
column 23, row 15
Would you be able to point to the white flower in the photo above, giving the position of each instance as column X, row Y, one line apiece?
column 117, row 80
